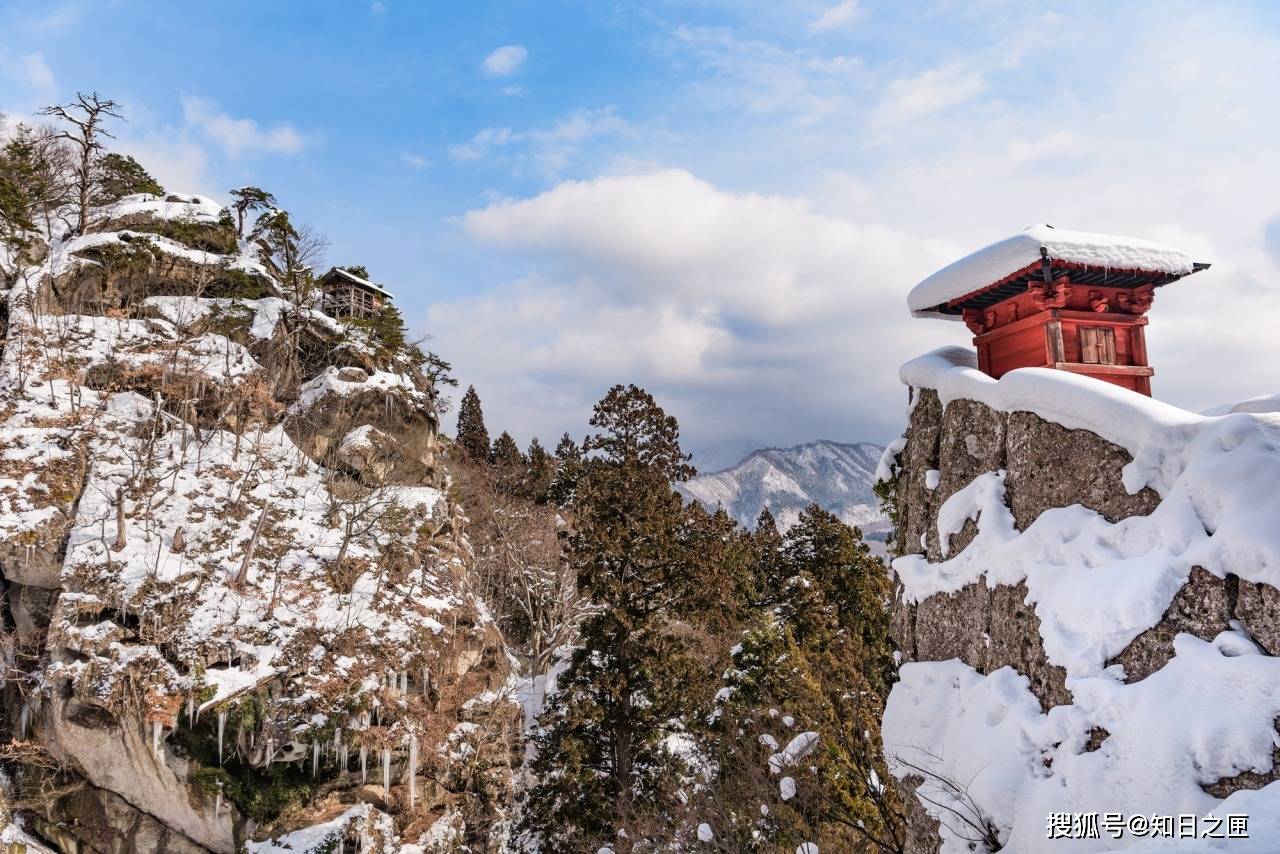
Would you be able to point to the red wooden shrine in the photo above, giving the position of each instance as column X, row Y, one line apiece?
column 1066, row 315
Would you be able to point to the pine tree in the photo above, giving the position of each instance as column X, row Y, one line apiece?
column 605, row 774
column 568, row 466
column 291, row 249
column 818, row 654
column 358, row 270
column 766, row 565
column 119, row 175
column 473, row 437
column 247, row 199
column 508, row 464
column 541, row 468
column 34, row 182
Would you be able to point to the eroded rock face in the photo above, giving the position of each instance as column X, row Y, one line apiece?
column 1203, row 607
column 1051, row 466
column 175, row 539
column 987, row 628
column 105, row 822
column 1047, row 466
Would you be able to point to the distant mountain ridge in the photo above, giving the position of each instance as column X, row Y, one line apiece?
column 837, row 476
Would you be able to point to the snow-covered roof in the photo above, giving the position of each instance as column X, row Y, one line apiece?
column 359, row 281
column 1011, row 255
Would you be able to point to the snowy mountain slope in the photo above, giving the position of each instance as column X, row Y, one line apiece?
column 835, row 475
column 239, row 592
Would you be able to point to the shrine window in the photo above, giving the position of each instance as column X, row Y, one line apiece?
column 1097, row 345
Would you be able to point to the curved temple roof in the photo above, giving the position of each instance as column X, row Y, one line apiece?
column 1003, row 259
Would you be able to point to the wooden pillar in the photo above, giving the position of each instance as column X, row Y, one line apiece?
column 1138, row 345
column 1054, row 351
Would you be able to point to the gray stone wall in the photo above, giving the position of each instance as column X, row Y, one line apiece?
column 1047, row 466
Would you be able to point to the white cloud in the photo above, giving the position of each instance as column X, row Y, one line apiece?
column 178, row 162
column 926, row 93
column 753, row 75
column 549, row 150
column 240, row 136
column 414, row 161
column 733, row 308
column 1052, row 144
column 505, row 61
column 39, row 77
column 61, row 17
column 833, row 17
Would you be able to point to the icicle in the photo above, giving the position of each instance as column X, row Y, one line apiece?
column 413, row 769
column 217, row 804
column 386, row 772
column 364, row 766
column 24, row 721
column 315, row 759
column 191, row 710
column 222, row 725
column 271, row 751
column 157, row 730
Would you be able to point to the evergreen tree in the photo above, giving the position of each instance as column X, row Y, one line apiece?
column 473, row 437
column 119, row 175
column 818, row 654
column 34, row 182
column 19, row 181
column 246, row 199
column 762, row 583
column 605, row 774
column 291, row 249
column 541, row 468
column 360, row 271
column 508, row 464
column 568, row 466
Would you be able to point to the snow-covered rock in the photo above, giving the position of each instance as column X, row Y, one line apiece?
column 227, row 618
column 1088, row 603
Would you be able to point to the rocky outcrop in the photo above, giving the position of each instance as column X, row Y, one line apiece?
column 989, row 627
column 240, row 603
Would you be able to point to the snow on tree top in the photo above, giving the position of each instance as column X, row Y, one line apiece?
column 1006, row 257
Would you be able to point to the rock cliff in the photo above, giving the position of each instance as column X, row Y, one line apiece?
column 236, row 596
column 1048, row 578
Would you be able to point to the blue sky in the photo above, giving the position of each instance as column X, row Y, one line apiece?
column 723, row 201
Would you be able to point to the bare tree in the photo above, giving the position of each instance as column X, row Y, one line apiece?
column 86, row 116
column 519, row 567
